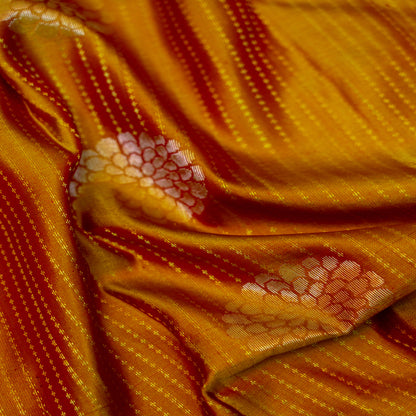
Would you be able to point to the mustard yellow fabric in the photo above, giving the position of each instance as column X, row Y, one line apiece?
column 207, row 207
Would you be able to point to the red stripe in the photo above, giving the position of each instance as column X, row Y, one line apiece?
column 181, row 37
column 258, row 41
column 45, row 87
column 27, row 300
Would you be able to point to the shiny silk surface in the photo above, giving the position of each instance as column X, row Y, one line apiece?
column 207, row 207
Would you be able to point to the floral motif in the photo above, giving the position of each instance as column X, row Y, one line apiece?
column 314, row 298
column 43, row 16
column 159, row 179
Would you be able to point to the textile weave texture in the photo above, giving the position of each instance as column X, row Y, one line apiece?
column 207, row 207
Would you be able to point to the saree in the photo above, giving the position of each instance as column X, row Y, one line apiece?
column 207, row 207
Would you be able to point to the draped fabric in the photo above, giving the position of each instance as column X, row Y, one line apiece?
column 207, row 207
